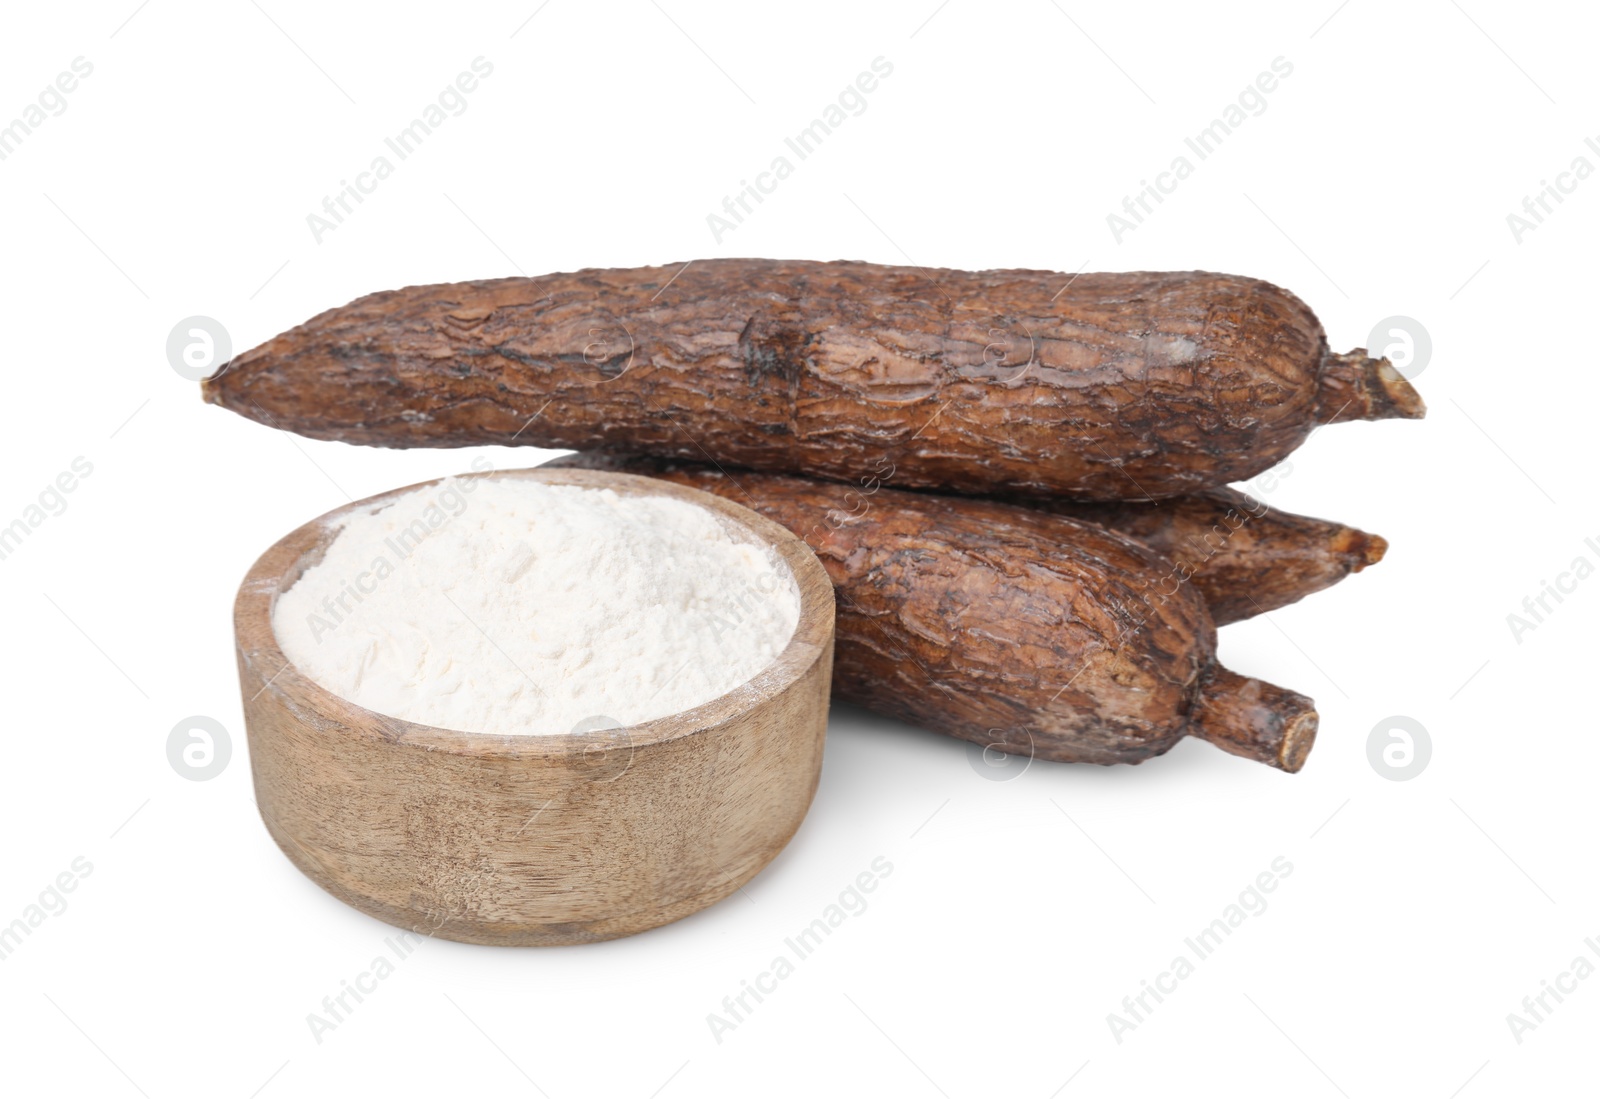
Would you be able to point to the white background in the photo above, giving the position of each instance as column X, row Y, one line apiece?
column 1019, row 913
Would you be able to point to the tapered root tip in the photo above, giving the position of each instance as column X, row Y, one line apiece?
column 211, row 388
column 1355, row 386
column 1256, row 720
column 1359, row 548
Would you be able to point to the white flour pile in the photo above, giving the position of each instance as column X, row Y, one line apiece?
column 507, row 606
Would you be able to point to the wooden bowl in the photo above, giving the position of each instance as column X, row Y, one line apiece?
column 534, row 840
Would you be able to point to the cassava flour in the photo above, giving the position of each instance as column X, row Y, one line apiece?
column 504, row 605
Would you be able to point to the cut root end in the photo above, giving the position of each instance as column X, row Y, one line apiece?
column 1256, row 720
column 1355, row 386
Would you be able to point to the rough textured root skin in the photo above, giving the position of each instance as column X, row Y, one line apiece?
column 1096, row 386
column 1355, row 386
column 1245, row 557
column 1256, row 720
column 1010, row 627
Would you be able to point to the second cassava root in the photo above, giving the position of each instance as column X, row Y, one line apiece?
column 1243, row 556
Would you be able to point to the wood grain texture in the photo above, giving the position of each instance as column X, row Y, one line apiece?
column 1095, row 386
column 536, row 840
column 1011, row 627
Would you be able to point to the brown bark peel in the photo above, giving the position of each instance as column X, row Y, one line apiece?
column 1355, row 386
column 1007, row 626
column 1244, row 557
column 1098, row 386
column 1256, row 720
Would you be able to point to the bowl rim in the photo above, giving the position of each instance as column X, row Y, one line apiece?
column 258, row 650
